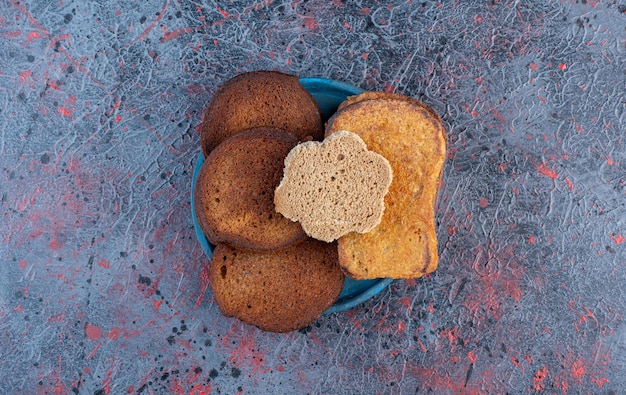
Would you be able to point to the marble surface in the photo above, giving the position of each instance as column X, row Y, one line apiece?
column 103, row 286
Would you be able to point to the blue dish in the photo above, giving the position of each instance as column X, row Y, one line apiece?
column 328, row 94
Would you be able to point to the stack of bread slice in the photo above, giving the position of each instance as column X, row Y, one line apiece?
column 294, row 205
column 264, row 270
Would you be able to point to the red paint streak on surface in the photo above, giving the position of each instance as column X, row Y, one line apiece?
column 167, row 36
column 22, row 264
column 204, row 283
column 422, row 346
column 599, row 381
column 42, row 32
column 21, row 8
column 176, row 387
column 582, row 318
column 247, row 354
column 569, row 184
column 55, row 244
column 104, row 263
column 562, row 384
column 496, row 283
column 388, row 87
column 224, row 13
column 107, row 382
column 56, row 318
column 114, row 333
column 618, row 239
column 472, row 357
column 93, row 332
column 532, row 240
column 158, row 136
column 32, row 36
column 13, row 34
column 144, row 34
column 518, row 364
column 546, row 171
column 21, row 205
column 66, row 112
column 539, row 377
column 406, row 302
column 311, row 23
column 185, row 343
column 93, row 352
column 578, row 370
column 200, row 389
column 451, row 334
column 562, row 66
column 24, row 75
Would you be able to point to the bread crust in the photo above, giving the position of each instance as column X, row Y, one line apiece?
column 260, row 99
column 411, row 136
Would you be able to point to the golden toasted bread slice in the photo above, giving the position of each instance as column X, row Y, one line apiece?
column 412, row 138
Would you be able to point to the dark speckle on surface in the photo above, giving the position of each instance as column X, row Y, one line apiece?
column 103, row 286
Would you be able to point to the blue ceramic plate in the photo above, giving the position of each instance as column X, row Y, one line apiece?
column 328, row 94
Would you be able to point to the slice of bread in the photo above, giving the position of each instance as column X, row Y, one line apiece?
column 260, row 99
column 334, row 187
column 278, row 290
column 412, row 138
column 234, row 194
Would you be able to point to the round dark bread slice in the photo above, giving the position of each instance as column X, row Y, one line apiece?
column 260, row 98
column 234, row 194
column 280, row 290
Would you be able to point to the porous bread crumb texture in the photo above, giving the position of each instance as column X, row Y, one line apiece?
column 410, row 135
column 234, row 194
column 260, row 99
column 334, row 187
column 279, row 290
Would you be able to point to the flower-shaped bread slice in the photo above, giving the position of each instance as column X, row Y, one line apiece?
column 334, row 187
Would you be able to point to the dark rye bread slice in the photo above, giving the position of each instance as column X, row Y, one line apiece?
column 234, row 194
column 260, row 98
column 279, row 290
column 410, row 135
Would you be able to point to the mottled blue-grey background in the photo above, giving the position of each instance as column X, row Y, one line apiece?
column 103, row 287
